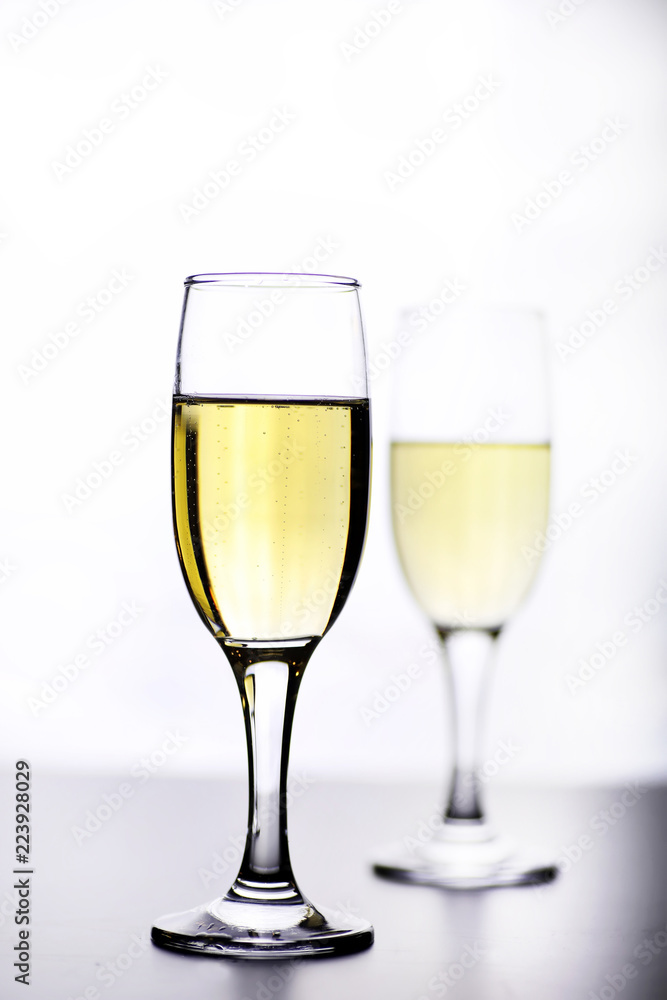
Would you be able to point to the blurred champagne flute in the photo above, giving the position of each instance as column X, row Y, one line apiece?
column 470, row 463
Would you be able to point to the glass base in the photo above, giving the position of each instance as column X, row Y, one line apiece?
column 278, row 930
column 465, row 854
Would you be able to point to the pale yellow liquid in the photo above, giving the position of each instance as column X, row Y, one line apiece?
column 461, row 515
column 270, row 504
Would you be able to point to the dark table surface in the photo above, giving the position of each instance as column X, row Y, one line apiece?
column 599, row 931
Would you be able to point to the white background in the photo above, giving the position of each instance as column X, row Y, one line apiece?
column 358, row 105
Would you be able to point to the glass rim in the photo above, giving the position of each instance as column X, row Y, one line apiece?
column 257, row 279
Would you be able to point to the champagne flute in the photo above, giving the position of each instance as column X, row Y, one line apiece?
column 470, row 463
column 271, row 476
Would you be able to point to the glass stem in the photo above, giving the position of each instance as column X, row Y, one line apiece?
column 467, row 654
column 268, row 681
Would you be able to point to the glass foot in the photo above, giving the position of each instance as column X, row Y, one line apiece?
column 233, row 928
column 465, row 855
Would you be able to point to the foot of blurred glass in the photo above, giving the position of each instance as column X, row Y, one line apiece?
column 465, row 855
column 276, row 930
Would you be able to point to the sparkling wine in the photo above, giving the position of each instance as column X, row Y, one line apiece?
column 461, row 515
column 270, row 503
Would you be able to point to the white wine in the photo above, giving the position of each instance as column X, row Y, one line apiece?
column 270, row 501
column 461, row 515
